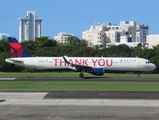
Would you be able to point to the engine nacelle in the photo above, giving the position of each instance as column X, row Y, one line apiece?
column 98, row 71
column 73, row 69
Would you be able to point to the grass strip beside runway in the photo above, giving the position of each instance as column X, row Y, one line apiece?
column 75, row 74
column 78, row 86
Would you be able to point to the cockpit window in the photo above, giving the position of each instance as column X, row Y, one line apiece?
column 148, row 62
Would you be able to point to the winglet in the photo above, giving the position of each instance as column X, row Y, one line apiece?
column 16, row 48
column 65, row 60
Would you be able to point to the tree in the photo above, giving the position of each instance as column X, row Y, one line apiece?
column 4, row 46
column 29, row 46
column 137, row 52
column 84, row 43
column 139, row 45
column 73, row 41
column 155, row 60
column 147, row 53
column 44, row 42
column 119, row 51
column 155, row 50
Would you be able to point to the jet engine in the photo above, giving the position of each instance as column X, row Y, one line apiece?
column 98, row 71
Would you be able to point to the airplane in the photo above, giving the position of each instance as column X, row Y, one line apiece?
column 93, row 65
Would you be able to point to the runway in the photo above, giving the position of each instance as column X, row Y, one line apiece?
column 66, row 105
column 33, row 106
column 102, row 95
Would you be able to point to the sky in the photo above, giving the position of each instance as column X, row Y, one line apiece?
column 75, row 16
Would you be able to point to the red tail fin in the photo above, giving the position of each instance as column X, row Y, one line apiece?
column 17, row 49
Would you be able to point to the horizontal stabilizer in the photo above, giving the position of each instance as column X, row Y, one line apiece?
column 10, row 60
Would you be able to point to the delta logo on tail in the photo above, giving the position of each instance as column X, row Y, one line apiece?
column 17, row 49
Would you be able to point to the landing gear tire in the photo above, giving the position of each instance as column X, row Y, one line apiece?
column 138, row 75
column 81, row 75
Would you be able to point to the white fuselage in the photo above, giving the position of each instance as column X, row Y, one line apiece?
column 108, row 63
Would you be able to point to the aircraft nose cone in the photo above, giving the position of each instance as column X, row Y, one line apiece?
column 154, row 66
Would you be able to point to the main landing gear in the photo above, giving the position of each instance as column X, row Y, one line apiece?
column 138, row 75
column 81, row 75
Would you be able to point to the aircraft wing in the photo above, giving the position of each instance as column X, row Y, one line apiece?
column 78, row 66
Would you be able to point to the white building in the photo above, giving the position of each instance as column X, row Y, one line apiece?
column 95, row 35
column 152, row 40
column 3, row 36
column 62, row 36
column 29, row 27
column 125, row 40
column 101, row 34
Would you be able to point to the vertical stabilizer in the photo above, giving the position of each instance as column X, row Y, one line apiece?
column 17, row 49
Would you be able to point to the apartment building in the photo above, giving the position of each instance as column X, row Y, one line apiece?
column 95, row 35
column 62, row 36
column 101, row 34
column 152, row 40
column 142, row 31
column 29, row 27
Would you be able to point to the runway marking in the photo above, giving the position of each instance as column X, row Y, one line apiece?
column 42, row 83
column 7, row 78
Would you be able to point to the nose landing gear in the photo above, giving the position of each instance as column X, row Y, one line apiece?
column 81, row 75
column 138, row 75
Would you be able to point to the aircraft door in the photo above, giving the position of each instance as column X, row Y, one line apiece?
column 32, row 64
column 139, row 64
